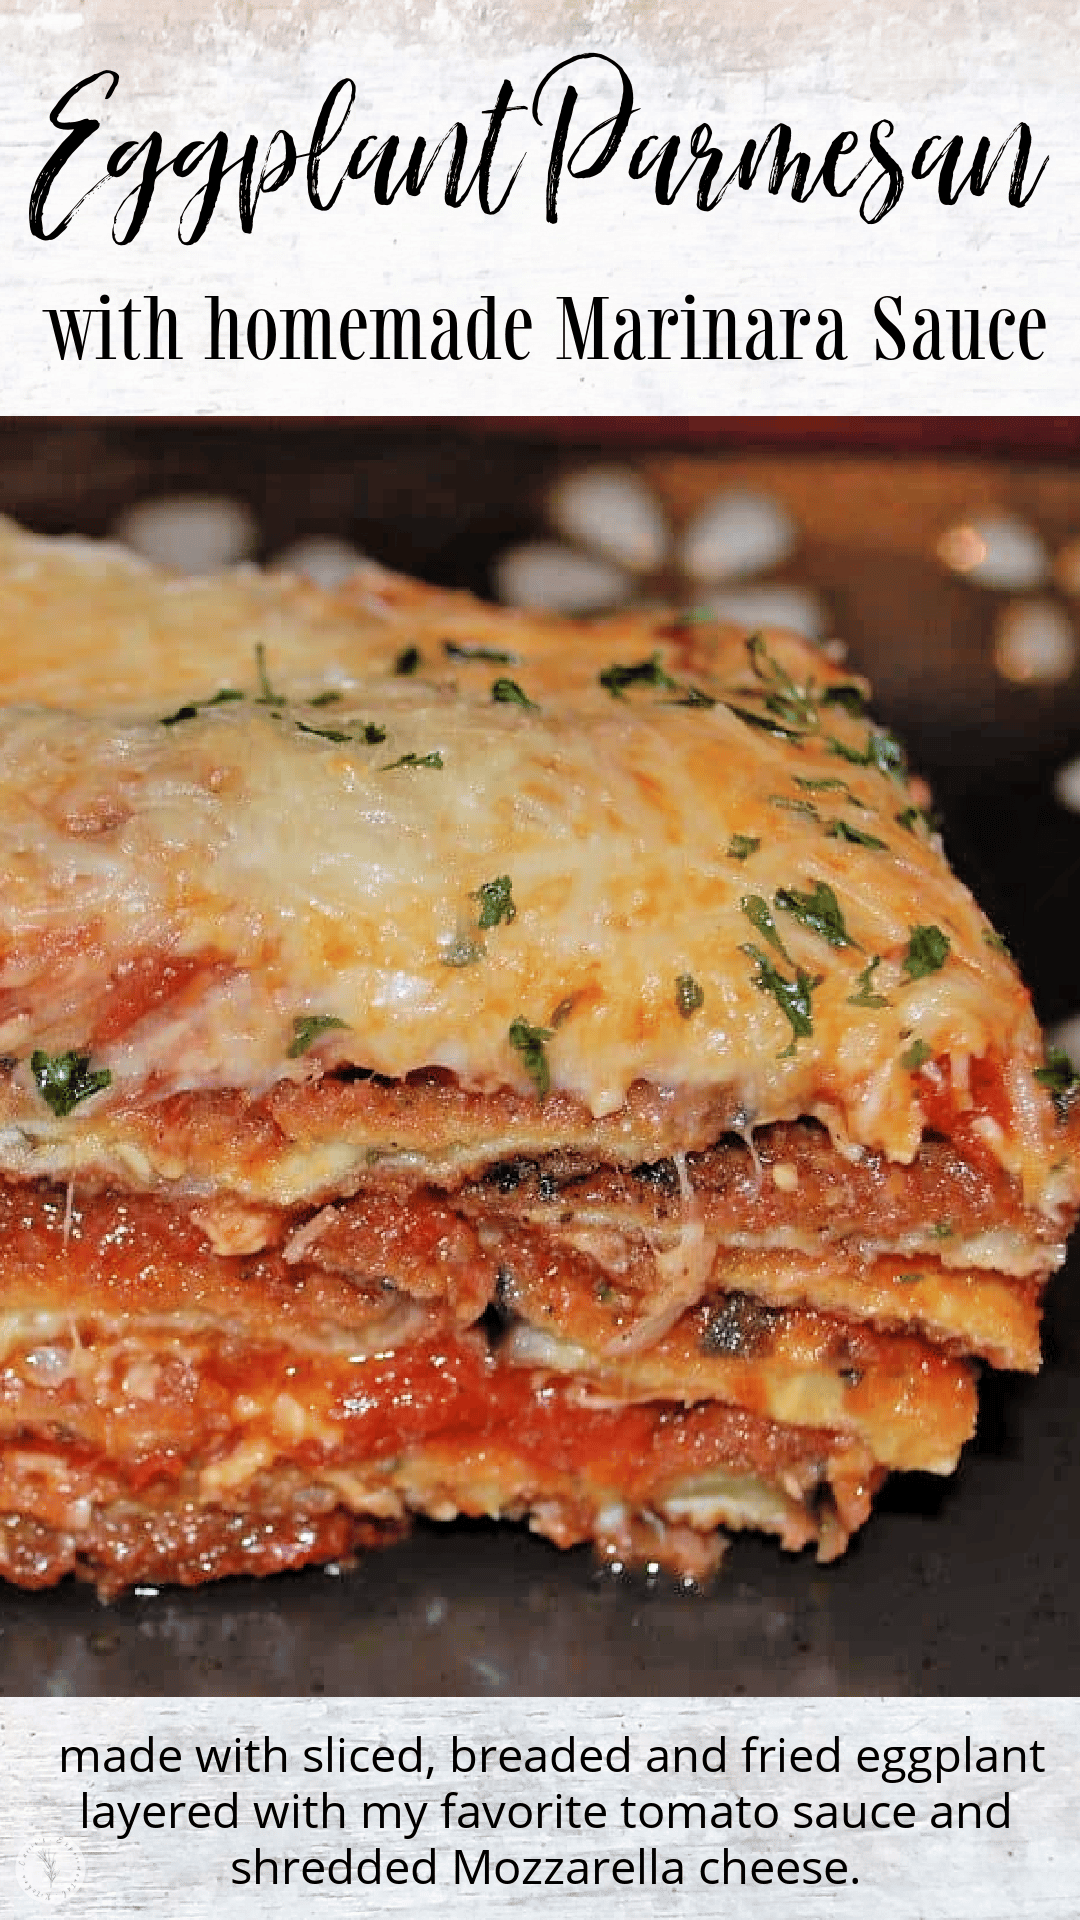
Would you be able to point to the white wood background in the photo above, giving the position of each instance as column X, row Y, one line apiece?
column 1029, row 1872
column 188, row 71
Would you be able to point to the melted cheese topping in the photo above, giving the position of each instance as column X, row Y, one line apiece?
column 249, row 871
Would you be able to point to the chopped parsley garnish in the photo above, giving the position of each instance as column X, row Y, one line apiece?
column 309, row 1027
column 507, row 693
column 789, row 805
column 645, row 673
column 847, row 696
column 463, row 952
column 407, row 661
column 1061, row 1080
column 911, row 817
column 792, row 710
column 190, row 712
column 765, row 722
column 886, row 754
column 941, row 1230
column 993, row 940
column 819, row 910
column 694, row 697
column 369, row 734
column 842, row 830
column 65, row 1079
column 928, row 951
column 792, row 704
column 689, row 996
column 491, row 654
column 916, row 1056
column 742, row 845
column 496, row 902
column 866, row 997
column 757, row 912
column 530, row 1042
column 414, row 760
column 266, row 695
column 882, row 751
column 829, row 786
column 791, row 996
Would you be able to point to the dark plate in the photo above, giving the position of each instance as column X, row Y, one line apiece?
column 967, row 1586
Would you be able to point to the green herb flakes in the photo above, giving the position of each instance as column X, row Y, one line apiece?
column 191, row 712
column 66, row 1079
column 789, row 805
column 644, row 673
column 829, row 786
column 819, row 910
column 1061, row 1080
column 916, row 1056
column 912, row 817
column 414, row 760
column 689, row 996
column 407, row 662
column 266, row 695
column 886, row 754
column 866, row 997
column 993, row 940
column 529, row 1042
column 765, row 723
column 757, row 912
column 309, row 1027
column 321, row 733
column 491, row 655
column 507, row 693
column 941, row 1230
column 462, row 952
column 742, row 845
column 331, row 698
column 882, row 751
column 496, row 902
column 842, row 830
column 793, row 704
column 927, row 952
column 694, row 697
column 845, row 695
column 791, row 996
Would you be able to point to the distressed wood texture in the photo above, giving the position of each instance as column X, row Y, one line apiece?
column 906, row 1871
column 193, row 72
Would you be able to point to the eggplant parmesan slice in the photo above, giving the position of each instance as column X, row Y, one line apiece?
column 564, row 1082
